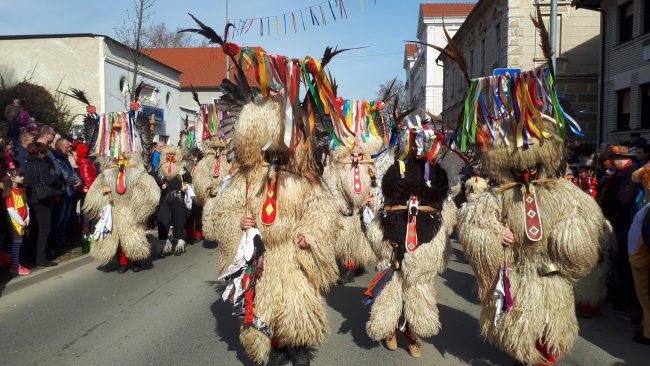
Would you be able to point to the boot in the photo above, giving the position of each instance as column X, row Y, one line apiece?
column 346, row 277
column 391, row 342
column 179, row 248
column 136, row 266
column 122, row 268
column 278, row 356
column 303, row 356
column 166, row 249
column 414, row 349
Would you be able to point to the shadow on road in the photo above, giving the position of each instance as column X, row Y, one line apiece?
column 227, row 329
column 615, row 340
column 347, row 301
column 462, row 284
column 459, row 337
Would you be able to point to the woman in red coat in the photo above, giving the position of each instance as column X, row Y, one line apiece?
column 88, row 173
column 87, row 170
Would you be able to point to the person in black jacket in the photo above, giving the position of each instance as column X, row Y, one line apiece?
column 39, row 169
column 173, row 180
column 618, row 199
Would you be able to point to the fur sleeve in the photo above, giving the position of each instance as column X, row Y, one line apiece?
column 574, row 241
column 95, row 199
column 479, row 233
column 221, row 214
column 382, row 248
column 332, row 187
column 202, row 178
column 319, row 224
column 450, row 215
column 146, row 197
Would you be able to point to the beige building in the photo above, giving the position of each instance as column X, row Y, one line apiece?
column 499, row 33
column 625, row 79
column 424, row 83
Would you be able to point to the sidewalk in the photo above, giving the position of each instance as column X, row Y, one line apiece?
column 69, row 260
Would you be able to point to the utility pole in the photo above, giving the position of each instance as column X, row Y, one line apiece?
column 227, row 58
column 553, row 34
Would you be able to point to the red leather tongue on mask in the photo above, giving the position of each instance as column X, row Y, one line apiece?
column 356, row 181
column 532, row 219
column 270, row 206
column 169, row 167
column 411, row 242
column 216, row 170
column 120, row 186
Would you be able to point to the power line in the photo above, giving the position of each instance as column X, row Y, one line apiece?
column 372, row 55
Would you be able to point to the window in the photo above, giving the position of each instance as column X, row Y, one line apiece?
column 124, row 85
column 169, row 100
column 645, row 105
column 625, row 22
column 497, row 31
column 623, row 100
column 149, row 94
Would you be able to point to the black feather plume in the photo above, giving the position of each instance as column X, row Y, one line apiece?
column 195, row 96
column 331, row 52
column 205, row 31
column 77, row 94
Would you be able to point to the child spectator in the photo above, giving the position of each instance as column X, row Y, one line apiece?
column 18, row 212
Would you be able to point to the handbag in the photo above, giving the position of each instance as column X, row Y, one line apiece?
column 43, row 191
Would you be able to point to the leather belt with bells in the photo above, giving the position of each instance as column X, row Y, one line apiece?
column 532, row 219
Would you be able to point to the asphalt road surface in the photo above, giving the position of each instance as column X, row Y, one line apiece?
column 171, row 314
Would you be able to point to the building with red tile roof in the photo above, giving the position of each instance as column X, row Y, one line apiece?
column 202, row 69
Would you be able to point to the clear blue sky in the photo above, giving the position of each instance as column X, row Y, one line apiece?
column 381, row 27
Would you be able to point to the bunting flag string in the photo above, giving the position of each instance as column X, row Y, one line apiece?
column 318, row 15
column 514, row 106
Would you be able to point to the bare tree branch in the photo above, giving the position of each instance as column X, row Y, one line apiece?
column 397, row 90
column 130, row 33
column 159, row 36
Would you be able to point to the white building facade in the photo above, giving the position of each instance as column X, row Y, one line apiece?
column 100, row 66
column 424, row 75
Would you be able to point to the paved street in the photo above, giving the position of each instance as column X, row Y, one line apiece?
column 170, row 314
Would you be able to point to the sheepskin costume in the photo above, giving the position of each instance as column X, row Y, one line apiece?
column 130, row 210
column 133, row 191
column 210, row 171
column 351, row 175
column 172, row 211
column 288, row 292
column 409, row 297
column 541, row 324
column 591, row 291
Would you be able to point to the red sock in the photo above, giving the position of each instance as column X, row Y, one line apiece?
column 545, row 353
column 122, row 257
column 349, row 265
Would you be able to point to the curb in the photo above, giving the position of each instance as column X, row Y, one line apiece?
column 19, row 283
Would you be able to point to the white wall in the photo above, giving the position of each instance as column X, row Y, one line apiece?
column 163, row 78
column 53, row 63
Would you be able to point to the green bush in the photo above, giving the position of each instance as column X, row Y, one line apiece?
column 40, row 104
